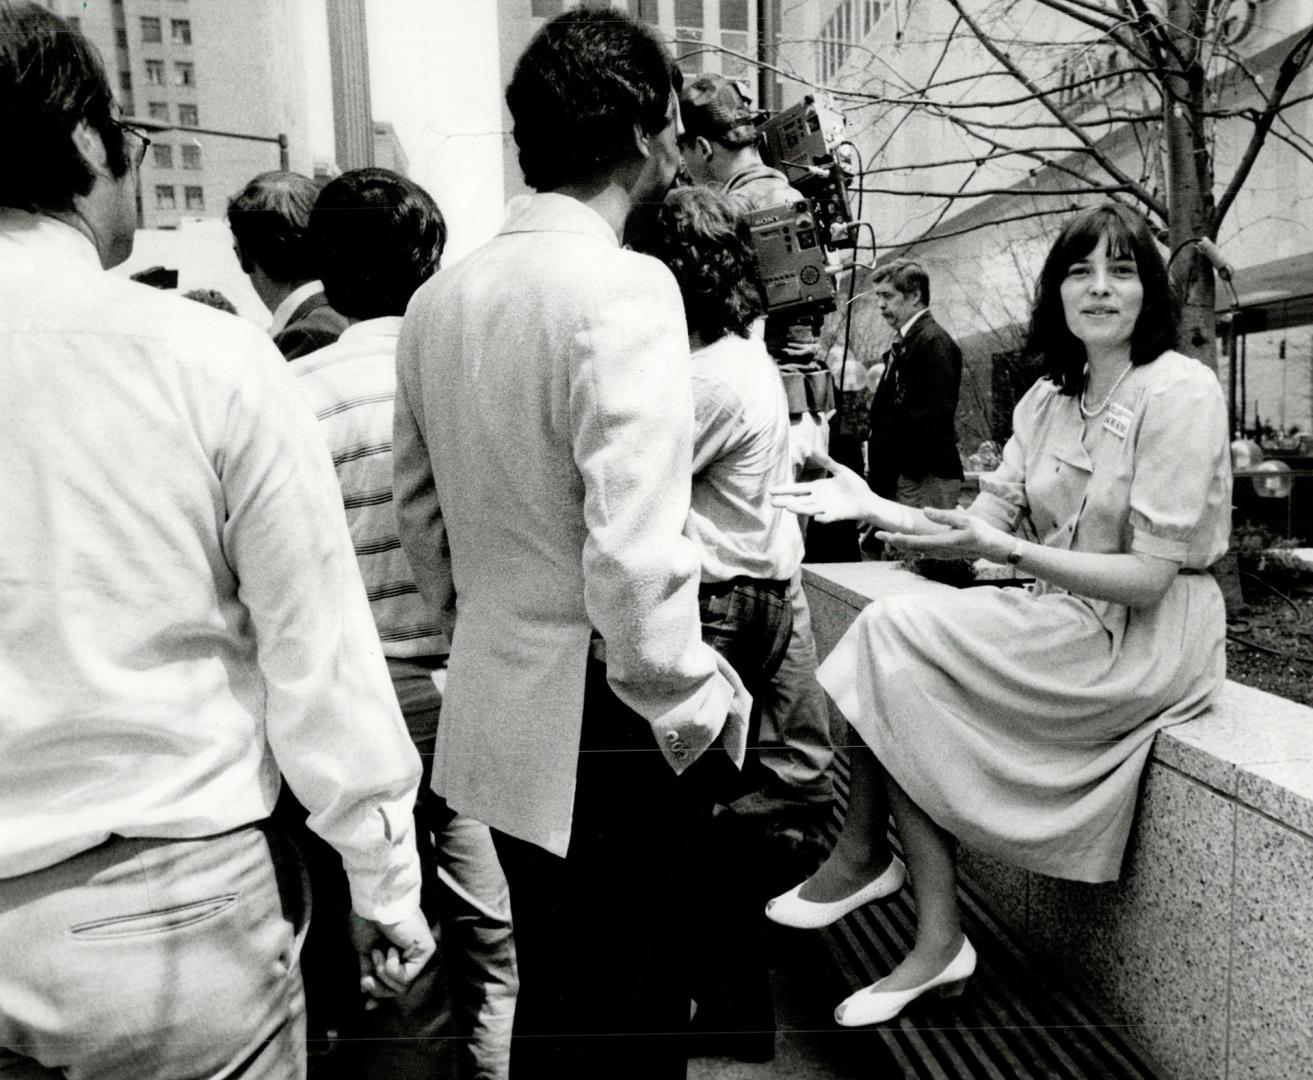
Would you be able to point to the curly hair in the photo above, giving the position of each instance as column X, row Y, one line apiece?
column 587, row 77
column 377, row 237
column 51, row 80
column 1060, row 352
column 708, row 248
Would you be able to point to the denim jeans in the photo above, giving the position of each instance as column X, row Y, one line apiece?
column 796, row 746
column 150, row 959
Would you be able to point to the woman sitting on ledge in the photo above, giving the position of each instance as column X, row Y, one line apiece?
column 1019, row 721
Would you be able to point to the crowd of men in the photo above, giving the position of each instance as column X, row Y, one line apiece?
column 451, row 617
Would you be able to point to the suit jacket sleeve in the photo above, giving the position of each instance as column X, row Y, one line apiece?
column 415, row 492
column 631, row 417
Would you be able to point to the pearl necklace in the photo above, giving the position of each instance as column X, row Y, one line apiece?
column 1091, row 413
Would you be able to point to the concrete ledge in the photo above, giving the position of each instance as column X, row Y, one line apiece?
column 1204, row 948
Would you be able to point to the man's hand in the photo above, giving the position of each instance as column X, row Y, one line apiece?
column 391, row 954
column 844, row 496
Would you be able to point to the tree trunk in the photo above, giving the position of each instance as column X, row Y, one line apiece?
column 1190, row 180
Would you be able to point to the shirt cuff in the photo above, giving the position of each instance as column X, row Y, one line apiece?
column 1144, row 543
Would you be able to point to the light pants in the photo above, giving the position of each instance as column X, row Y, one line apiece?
column 155, row 959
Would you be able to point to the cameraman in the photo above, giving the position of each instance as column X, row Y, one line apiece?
column 719, row 149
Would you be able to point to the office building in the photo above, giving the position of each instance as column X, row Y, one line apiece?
column 206, row 72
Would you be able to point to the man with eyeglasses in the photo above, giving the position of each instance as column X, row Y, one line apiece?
column 182, row 618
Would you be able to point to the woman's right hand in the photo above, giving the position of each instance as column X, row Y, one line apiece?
column 842, row 496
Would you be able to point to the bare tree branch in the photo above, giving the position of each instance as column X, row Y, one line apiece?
column 1105, row 162
column 991, row 223
column 1291, row 67
column 978, row 193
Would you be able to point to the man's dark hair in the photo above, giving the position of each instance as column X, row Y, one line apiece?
column 587, row 77
column 51, row 79
column 377, row 238
column 1060, row 352
column 708, row 248
column 905, row 275
column 268, row 219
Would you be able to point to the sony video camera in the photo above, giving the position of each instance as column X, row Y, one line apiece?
column 791, row 240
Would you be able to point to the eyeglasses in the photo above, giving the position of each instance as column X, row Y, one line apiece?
column 142, row 137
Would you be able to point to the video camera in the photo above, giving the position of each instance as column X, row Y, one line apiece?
column 791, row 240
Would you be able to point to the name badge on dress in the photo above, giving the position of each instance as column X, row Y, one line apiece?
column 1117, row 420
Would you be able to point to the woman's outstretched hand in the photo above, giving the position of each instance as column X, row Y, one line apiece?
column 965, row 537
column 842, row 496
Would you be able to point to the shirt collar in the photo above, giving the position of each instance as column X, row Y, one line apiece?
column 549, row 212
column 293, row 300
column 385, row 326
column 49, row 236
column 902, row 331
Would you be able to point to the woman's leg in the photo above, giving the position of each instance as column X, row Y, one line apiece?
column 862, row 852
column 930, row 854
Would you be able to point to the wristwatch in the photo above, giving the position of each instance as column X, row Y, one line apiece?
column 1014, row 556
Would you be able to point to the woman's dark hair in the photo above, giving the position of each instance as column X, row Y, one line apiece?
column 377, row 237
column 1060, row 352
column 587, row 77
column 708, row 248
column 269, row 219
column 51, row 79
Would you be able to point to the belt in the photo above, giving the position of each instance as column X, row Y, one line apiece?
column 720, row 588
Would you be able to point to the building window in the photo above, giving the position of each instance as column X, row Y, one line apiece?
column 544, row 9
column 734, row 66
column 188, row 116
column 162, row 155
column 191, row 157
column 688, row 49
column 158, row 110
column 181, row 31
column 125, row 79
column 195, row 198
column 184, row 74
column 152, row 31
column 644, row 10
column 689, row 13
column 121, row 38
column 155, row 72
column 165, row 199
column 734, row 15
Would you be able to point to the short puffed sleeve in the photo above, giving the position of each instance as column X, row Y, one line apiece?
column 1180, row 492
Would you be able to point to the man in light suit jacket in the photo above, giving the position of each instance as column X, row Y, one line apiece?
column 270, row 218
column 543, row 431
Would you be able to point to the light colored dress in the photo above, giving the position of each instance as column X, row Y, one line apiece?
column 1020, row 720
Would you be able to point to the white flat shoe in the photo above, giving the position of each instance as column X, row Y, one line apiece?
column 790, row 909
column 873, row 1006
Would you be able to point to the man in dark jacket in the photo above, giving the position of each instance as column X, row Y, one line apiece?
column 269, row 219
column 912, row 451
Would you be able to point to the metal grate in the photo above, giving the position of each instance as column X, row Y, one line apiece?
column 1013, row 1022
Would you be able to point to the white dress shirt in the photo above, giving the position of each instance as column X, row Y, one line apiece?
column 180, row 610
column 283, row 313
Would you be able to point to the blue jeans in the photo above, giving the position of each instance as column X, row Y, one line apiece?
column 152, row 959
column 796, row 746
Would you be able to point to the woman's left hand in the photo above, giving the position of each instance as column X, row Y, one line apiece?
column 968, row 538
